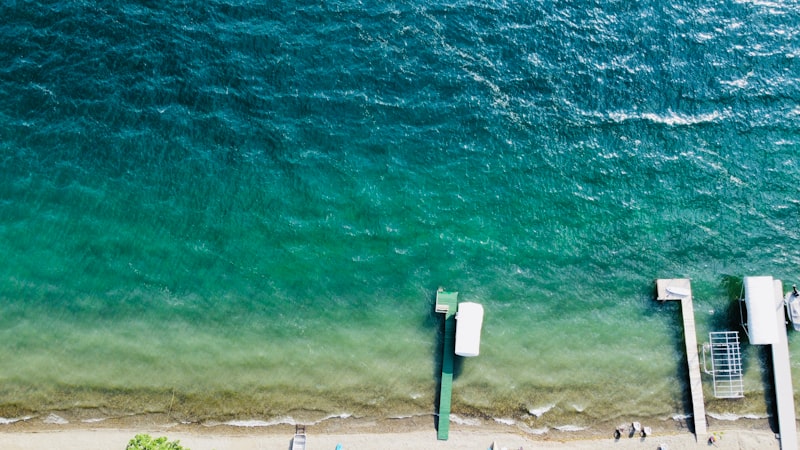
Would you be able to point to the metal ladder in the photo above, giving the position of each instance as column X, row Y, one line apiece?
column 726, row 363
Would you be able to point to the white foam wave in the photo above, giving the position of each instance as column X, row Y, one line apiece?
column 671, row 118
column 284, row 420
column 679, row 417
column 464, row 421
column 407, row 416
column 94, row 420
column 569, row 428
column 538, row 412
column 333, row 416
column 54, row 419
column 249, row 423
column 4, row 421
column 732, row 417
column 536, row 431
column 504, row 421
column 738, row 83
column 773, row 5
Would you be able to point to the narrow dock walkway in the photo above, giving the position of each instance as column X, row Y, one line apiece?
column 680, row 289
column 446, row 303
column 299, row 440
column 784, row 395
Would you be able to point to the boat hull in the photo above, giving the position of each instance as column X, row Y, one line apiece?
column 793, row 308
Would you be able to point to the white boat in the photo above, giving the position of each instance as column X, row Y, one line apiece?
column 792, row 301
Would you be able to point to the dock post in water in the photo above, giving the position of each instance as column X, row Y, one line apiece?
column 680, row 289
column 446, row 303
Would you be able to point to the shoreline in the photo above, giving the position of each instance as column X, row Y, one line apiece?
column 41, row 431
column 196, row 439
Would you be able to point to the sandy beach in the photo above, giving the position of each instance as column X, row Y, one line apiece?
column 117, row 439
column 197, row 437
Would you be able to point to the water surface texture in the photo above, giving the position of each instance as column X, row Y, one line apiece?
column 242, row 210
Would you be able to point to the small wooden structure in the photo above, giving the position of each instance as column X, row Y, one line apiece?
column 299, row 440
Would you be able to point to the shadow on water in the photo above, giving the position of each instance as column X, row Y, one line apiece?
column 767, row 379
column 730, row 319
column 435, row 321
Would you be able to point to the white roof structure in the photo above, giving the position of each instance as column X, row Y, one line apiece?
column 469, row 321
column 759, row 298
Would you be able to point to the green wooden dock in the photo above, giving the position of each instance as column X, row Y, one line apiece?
column 446, row 303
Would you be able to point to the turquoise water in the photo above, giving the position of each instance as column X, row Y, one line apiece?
column 243, row 211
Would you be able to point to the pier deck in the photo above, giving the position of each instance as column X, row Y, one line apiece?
column 446, row 303
column 680, row 289
column 299, row 440
column 784, row 395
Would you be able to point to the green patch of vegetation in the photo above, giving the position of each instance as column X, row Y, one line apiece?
column 146, row 442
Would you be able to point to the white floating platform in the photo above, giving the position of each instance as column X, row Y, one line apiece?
column 469, row 321
column 759, row 298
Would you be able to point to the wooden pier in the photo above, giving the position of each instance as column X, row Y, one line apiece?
column 680, row 289
column 447, row 304
column 299, row 440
